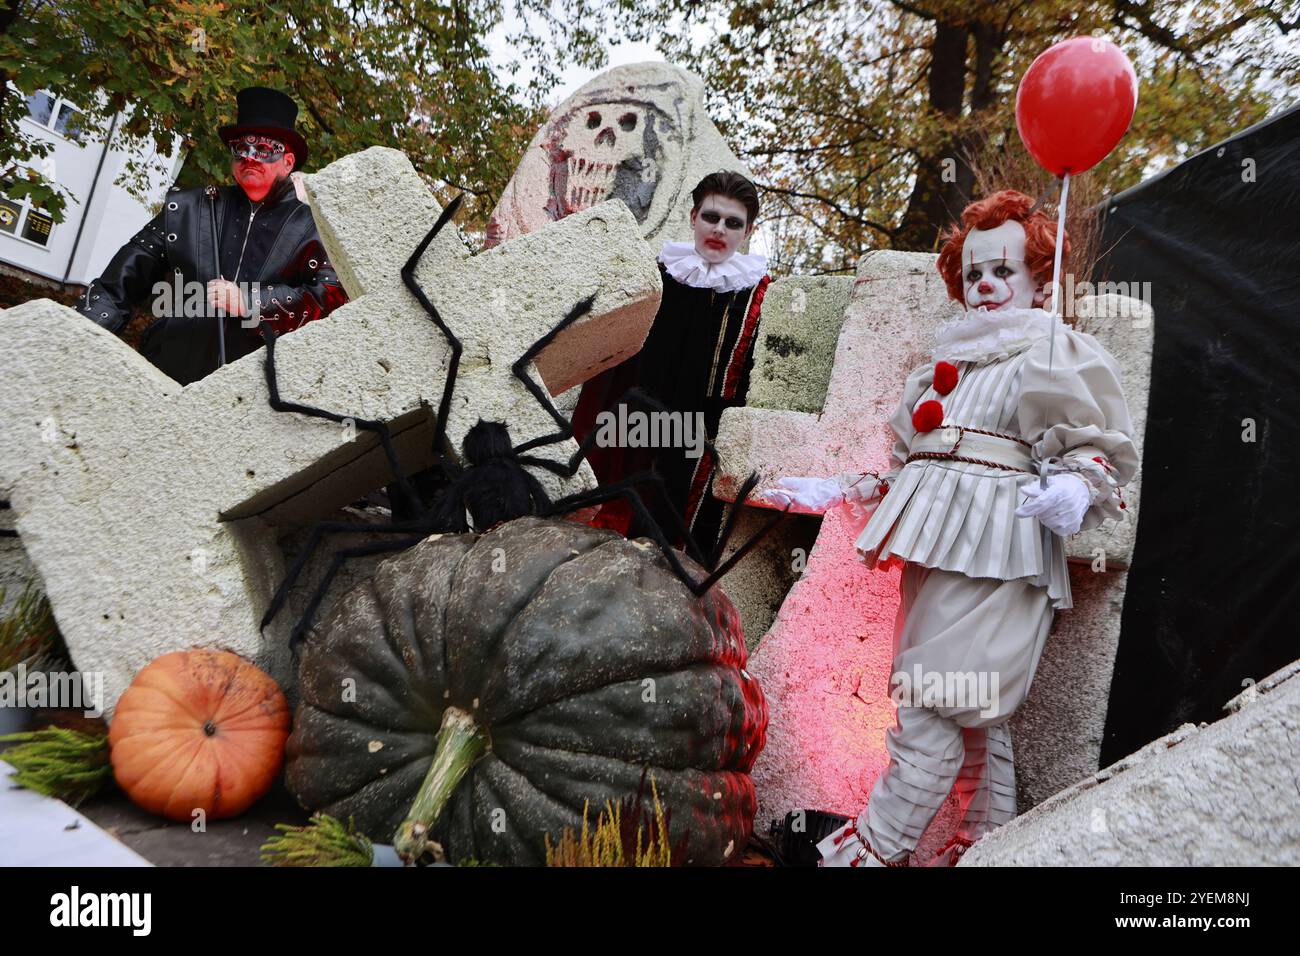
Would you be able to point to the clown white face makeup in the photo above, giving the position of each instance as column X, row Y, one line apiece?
column 994, row 272
column 717, row 240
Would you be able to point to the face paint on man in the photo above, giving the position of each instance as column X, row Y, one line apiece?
column 720, row 225
column 995, row 275
column 258, row 163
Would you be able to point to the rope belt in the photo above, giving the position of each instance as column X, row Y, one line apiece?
column 977, row 446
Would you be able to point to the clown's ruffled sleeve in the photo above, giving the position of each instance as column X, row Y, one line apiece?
column 1079, row 413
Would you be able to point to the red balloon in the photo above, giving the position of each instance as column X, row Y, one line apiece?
column 1075, row 102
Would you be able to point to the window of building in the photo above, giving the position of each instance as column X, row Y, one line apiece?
column 55, row 114
column 40, row 107
column 19, row 217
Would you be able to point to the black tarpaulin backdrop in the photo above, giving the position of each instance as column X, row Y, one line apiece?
column 1214, row 587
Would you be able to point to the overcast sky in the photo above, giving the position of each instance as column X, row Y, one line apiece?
column 572, row 77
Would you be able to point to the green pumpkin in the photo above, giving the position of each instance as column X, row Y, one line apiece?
column 545, row 663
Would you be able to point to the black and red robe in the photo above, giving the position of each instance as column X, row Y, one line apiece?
column 696, row 358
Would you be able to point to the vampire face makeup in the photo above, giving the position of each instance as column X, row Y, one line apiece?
column 720, row 225
column 995, row 275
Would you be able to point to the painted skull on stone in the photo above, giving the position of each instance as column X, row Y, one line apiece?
column 609, row 150
column 632, row 133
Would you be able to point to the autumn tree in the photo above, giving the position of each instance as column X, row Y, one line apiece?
column 863, row 120
column 414, row 75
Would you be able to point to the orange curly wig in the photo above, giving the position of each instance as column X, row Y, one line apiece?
column 989, row 213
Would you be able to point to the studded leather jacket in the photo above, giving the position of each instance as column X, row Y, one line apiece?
column 272, row 243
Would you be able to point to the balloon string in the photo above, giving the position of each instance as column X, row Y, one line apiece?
column 1056, row 291
column 1056, row 268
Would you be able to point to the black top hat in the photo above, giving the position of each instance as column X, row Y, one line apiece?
column 270, row 113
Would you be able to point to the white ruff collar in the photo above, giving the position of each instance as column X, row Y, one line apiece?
column 688, row 267
column 981, row 335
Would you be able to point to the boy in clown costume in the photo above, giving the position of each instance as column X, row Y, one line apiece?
column 998, row 457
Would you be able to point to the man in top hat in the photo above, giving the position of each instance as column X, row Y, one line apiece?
column 252, row 248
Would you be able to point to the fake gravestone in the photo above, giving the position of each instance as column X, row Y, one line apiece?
column 638, row 133
column 153, row 511
column 1220, row 794
column 793, row 356
column 825, row 663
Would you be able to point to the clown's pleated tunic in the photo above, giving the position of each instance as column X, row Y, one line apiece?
column 980, row 585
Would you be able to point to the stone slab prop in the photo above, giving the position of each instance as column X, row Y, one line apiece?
column 638, row 133
column 793, row 355
column 42, row 831
column 16, row 570
column 1220, row 794
column 825, row 663
column 797, row 336
column 153, row 512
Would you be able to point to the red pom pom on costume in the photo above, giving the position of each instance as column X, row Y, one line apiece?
column 928, row 417
column 945, row 377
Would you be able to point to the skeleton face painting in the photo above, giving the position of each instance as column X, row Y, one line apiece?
column 614, row 149
column 628, row 134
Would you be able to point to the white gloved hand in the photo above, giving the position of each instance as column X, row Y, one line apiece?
column 1061, row 505
column 804, row 494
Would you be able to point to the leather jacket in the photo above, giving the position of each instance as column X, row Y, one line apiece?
column 273, row 242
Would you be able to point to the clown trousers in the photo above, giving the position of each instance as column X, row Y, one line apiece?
column 983, row 637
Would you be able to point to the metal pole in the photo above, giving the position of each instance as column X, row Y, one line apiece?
column 216, row 262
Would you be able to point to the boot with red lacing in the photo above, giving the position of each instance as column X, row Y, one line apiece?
column 865, row 854
column 952, row 851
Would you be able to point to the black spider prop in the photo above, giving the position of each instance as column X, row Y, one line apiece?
column 494, row 484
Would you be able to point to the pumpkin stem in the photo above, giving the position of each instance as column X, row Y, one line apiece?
column 460, row 742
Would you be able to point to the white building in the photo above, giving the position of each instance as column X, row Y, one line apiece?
column 99, row 216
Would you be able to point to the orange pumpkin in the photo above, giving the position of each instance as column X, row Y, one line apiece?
column 198, row 730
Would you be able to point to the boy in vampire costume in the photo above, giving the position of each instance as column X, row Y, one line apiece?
column 696, row 361
column 1015, row 436
column 253, row 246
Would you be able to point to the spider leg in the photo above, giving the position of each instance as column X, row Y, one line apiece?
column 520, row 370
column 626, row 489
column 313, row 542
column 453, row 365
column 375, row 547
column 573, row 502
column 732, row 515
column 379, row 428
column 743, row 550
column 636, row 396
column 749, row 545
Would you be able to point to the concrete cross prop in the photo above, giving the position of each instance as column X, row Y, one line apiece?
column 152, row 512
column 824, row 666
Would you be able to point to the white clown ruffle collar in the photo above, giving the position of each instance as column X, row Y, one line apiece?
column 980, row 335
column 688, row 267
